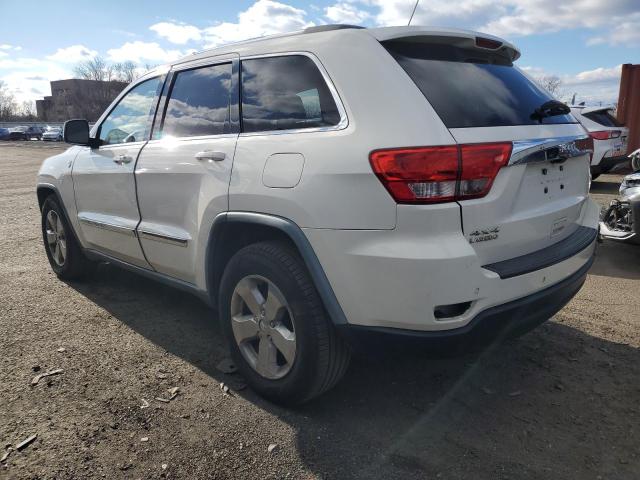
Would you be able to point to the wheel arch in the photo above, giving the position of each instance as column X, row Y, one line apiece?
column 43, row 191
column 232, row 231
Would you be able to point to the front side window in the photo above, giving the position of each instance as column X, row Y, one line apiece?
column 285, row 93
column 130, row 120
column 199, row 102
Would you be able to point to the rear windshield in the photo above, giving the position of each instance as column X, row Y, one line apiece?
column 603, row 117
column 471, row 88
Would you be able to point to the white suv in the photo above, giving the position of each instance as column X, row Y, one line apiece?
column 609, row 137
column 333, row 188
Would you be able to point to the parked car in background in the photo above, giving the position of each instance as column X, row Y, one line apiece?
column 34, row 131
column 263, row 178
column 18, row 133
column 25, row 133
column 52, row 134
column 4, row 133
column 609, row 137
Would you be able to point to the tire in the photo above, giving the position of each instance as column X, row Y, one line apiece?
column 595, row 172
column 321, row 355
column 635, row 163
column 56, row 231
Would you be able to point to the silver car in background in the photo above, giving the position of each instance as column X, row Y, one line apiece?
column 52, row 134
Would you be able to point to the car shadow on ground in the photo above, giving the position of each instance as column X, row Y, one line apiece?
column 603, row 186
column 507, row 411
column 617, row 259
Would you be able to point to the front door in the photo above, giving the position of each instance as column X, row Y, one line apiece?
column 183, row 173
column 103, row 177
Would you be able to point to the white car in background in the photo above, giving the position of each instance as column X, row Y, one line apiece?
column 609, row 137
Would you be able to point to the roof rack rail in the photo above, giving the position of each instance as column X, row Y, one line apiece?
column 327, row 28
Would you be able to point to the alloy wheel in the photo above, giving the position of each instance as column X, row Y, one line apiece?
column 56, row 238
column 263, row 327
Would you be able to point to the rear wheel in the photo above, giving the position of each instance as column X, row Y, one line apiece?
column 63, row 251
column 595, row 172
column 278, row 331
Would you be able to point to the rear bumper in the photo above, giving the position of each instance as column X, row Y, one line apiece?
column 489, row 326
column 427, row 276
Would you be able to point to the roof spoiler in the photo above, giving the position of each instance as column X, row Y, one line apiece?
column 461, row 38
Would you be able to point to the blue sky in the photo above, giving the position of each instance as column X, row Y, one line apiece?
column 584, row 42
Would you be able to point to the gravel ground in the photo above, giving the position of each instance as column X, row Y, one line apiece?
column 561, row 402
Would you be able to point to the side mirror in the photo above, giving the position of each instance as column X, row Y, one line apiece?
column 77, row 132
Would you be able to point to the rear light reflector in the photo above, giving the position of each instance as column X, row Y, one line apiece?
column 439, row 174
column 605, row 134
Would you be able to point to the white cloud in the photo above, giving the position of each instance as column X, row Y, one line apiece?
column 346, row 13
column 620, row 19
column 626, row 32
column 6, row 46
column 178, row 33
column 264, row 17
column 599, row 85
column 140, row 52
column 28, row 78
column 72, row 54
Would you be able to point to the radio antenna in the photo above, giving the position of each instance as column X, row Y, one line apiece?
column 413, row 13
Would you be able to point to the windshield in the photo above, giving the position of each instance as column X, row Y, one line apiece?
column 472, row 88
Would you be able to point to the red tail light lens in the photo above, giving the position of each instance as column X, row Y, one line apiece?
column 439, row 174
column 605, row 134
column 418, row 175
column 480, row 165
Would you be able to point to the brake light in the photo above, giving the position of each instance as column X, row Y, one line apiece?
column 439, row 174
column 605, row 134
column 484, row 42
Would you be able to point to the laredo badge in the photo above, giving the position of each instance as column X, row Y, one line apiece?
column 484, row 235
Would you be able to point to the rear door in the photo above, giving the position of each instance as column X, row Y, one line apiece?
column 183, row 173
column 536, row 199
column 103, row 177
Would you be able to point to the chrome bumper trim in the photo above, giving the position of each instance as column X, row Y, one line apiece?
column 556, row 149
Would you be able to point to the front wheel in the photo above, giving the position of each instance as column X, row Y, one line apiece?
column 63, row 251
column 278, row 332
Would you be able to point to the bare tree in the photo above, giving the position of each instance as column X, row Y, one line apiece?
column 8, row 105
column 551, row 83
column 28, row 110
column 95, row 68
column 126, row 71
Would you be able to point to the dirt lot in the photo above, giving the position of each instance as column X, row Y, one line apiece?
column 561, row 402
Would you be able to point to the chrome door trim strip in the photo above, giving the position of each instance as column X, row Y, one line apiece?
column 107, row 226
column 552, row 149
column 180, row 242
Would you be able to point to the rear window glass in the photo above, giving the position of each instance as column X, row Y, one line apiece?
column 471, row 88
column 603, row 117
column 199, row 102
column 284, row 93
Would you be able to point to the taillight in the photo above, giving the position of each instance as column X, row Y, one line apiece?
column 439, row 174
column 605, row 134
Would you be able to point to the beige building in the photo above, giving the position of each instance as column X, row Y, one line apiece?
column 77, row 98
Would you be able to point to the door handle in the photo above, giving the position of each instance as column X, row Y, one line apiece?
column 211, row 155
column 122, row 159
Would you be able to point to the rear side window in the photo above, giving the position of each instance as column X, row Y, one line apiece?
column 199, row 102
column 472, row 88
column 285, row 93
column 604, row 118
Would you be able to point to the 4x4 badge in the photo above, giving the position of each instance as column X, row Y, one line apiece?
column 484, row 235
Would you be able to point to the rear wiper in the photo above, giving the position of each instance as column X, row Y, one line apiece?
column 550, row 109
